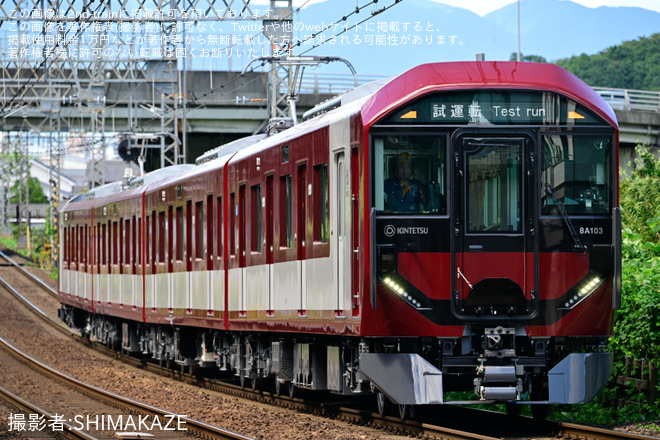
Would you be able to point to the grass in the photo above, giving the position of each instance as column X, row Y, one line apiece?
column 9, row 242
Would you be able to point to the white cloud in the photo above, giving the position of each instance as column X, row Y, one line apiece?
column 483, row 7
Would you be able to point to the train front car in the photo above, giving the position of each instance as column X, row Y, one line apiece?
column 495, row 236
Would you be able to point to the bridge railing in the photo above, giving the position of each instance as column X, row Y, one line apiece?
column 625, row 99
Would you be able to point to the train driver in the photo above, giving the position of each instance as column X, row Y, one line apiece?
column 403, row 193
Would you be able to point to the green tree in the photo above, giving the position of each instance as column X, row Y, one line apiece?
column 631, row 65
column 640, row 198
column 36, row 192
column 637, row 326
column 528, row 58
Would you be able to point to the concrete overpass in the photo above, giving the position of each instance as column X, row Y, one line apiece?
column 638, row 113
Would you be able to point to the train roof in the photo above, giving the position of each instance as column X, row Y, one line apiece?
column 120, row 186
column 229, row 148
column 428, row 78
column 377, row 99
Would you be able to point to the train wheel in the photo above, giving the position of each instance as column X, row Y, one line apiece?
column 280, row 386
column 385, row 405
column 540, row 392
column 293, row 390
column 243, row 381
column 405, row 412
column 540, row 412
column 512, row 409
column 255, row 382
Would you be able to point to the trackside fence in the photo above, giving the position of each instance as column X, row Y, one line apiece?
column 640, row 380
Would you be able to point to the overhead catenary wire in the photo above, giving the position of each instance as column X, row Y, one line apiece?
column 357, row 10
column 6, row 107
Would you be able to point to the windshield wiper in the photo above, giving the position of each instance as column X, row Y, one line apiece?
column 577, row 244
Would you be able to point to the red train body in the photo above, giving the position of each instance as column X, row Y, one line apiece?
column 307, row 257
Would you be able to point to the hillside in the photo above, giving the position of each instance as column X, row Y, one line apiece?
column 632, row 65
column 420, row 31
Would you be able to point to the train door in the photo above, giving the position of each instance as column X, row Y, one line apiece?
column 300, row 238
column 494, row 253
column 270, row 231
column 242, row 230
column 355, row 234
column 120, row 248
column 189, row 255
column 341, row 237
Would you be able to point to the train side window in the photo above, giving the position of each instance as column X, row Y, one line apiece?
column 178, row 233
column 256, row 212
column 121, row 242
column 285, row 211
column 97, row 240
column 149, row 241
column 104, row 244
column 65, row 234
column 208, row 245
column 85, row 243
column 75, row 244
column 127, row 241
column 161, row 237
column 321, row 218
column 577, row 174
column 219, row 209
column 152, row 234
column 115, row 243
column 72, row 238
column 233, row 212
column 169, row 232
column 81, row 246
column 242, row 227
column 410, row 173
column 70, row 244
column 199, row 230
column 108, row 243
column 188, row 240
column 137, row 254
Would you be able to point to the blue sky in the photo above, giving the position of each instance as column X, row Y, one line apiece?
column 483, row 7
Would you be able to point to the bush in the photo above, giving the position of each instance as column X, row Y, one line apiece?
column 637, row 326
column 640, row 198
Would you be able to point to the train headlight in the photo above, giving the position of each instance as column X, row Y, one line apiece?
column 404, row 290
column 582, row 291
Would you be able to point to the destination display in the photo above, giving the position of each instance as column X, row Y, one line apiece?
column 495, row 107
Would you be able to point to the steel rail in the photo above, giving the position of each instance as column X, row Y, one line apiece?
column 28, row 274
column 570, row 430
column 357, row 416
column 24, row 406
column 200, row 428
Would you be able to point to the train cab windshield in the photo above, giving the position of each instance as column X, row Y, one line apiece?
column 576, row 173
column 410, row 174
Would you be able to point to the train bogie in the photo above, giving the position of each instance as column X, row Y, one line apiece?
column 455, row 228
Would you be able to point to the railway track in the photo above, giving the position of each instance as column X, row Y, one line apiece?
column 458, row 423
column 86, row 411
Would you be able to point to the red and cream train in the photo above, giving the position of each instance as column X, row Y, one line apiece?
column 277, row 258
